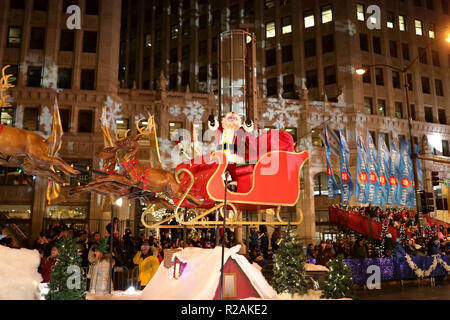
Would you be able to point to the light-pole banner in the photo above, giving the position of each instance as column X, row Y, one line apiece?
column 333, row 189
column 383, row 167
column 347, row 187
column 394, row 175
column 406, row 194
column 372, row 166
column 361, row 172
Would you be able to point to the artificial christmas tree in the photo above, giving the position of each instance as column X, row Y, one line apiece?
column 67, row 280
column 289, row 275
column 339, row 282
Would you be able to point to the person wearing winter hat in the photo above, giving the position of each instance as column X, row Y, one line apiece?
column 399, row 250
column 99, row 272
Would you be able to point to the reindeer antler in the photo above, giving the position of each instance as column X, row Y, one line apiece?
column 148, row 127
column 4, row 86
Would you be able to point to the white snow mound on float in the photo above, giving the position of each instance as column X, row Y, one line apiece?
column 201, row 276
column 19, row 276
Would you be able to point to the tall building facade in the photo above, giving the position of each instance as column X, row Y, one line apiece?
column 161, row 58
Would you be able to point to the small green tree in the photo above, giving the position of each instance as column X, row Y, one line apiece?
column 289, row 274
column 339, row 282
column 67, row 280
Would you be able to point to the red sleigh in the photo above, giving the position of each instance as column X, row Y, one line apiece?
column 272, row 181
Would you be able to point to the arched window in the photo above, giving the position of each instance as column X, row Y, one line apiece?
column 321, row 184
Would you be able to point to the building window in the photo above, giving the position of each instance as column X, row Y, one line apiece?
column 402, row 23
column 316, row 138
column 329, row 75
column 321, row 184
column 185, row 52
column 269, row 4
column 379, row 77
column 90, row 41
column 31, row 119
column 372, row 134
column 85, row 120
column 308, row 19
column 234, row 12
column 410, row 81
column 376, row 41
column 272, row 87
column 175, row 131
column 390, row 20
column 7, row 116
column 87, row 79
column 396, row 79
column 381, row 107
column 368, row 105
column 393, row 48
column 286, row 53
column 418, row 26
column 431, row 31
column 202, row 74
column 327, row 14
column 67, row 40
column 413, row 112
column 173, row 55
column 270, row 29
column 360, row 12
column 445, row 149
column 92, row 7
column 65, row 119
column 405, row 51
column 185, row 78
column 429, row 114
column 288, row 84
column 174, row 32
column 13, row 70
column 37, row 38
column 286, row 25
column 173, row 81
column 328, row 43
column 367, row 78
column 271, row 57
column 435, row 58
column 68, row 3
column 442, row 116
column 363, row 42
column 310, row 48
column 385, row 137
column 202, row 48
column 399, row 110
column 439, row 87
column 40, row 5
column 17, row 4
column 426, row 85
column 14, row 36
column 34, row 76
column 423, row 55
column 64, row 78
column 229, row 280
column 311, row 79
column 148, row 40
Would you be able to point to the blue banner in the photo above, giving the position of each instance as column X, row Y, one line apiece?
column 347, row 187
column 406, row 195
column 372, row 167
column 361, row 172
column 394, row 175
column 383, row 170
column 333, row 189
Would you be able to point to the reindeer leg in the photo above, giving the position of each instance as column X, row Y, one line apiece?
column 43, row 160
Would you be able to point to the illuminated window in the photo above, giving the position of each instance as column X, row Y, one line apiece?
column 316, row 139
column 399, row 110
column 431, row 31
column 229, row 285
column 368, row 105
column 148, row 40
column 327, row 14
column 174, row 32
column 122, row 127
column 14, row 37
column 270, row 29
column 7, row 116
column 31, row 119
column 175, row 132
column 401, row 23
column 309, row 20
column 360, row 12
column 381, row 107
column 286, row 25
column 390, row 20
column 418, row 26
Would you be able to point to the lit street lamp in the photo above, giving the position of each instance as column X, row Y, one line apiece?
column 361, row 71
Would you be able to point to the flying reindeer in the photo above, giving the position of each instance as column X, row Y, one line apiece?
column 132, row 177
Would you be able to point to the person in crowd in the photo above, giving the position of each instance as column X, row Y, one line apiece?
column 47, row 264
column 42, row 243
column 324, row 254
column 389, row 245
column 83, row 244
column 410, row 248
column 310, row 251
column 148, row 263
column 331, row 247
column 340, row 250
column 253, row 239
column 399, row 250
column 96, row 241
column 360, row 250
column 265, row 245
column 435, row 248
column 115, row 228
column 274, row 239
column 99, row 274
